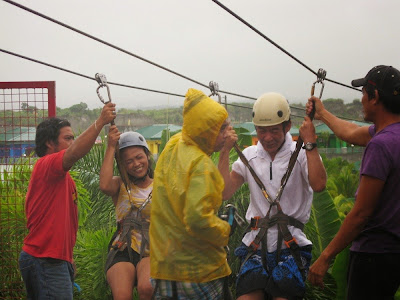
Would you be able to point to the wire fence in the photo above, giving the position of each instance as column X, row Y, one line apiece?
column 23, row 105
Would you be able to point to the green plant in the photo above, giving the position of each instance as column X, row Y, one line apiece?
column 90, row 255
column 98, row 211
column 13, row 188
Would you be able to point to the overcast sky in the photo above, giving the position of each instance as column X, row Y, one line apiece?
column 200, row 40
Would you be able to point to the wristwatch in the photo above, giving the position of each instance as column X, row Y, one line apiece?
column 309, row 146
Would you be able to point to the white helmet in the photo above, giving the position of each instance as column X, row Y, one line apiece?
column 270, row 109
column 129, row 139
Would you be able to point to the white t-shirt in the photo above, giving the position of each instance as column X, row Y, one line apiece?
column 296, row 198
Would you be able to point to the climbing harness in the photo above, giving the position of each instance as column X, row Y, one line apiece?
column 280, row 219
column 102, row 81
column 123, row 236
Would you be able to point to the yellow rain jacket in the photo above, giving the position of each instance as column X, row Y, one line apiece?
column 186, row 235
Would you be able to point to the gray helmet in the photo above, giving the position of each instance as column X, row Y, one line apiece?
column 129, row 139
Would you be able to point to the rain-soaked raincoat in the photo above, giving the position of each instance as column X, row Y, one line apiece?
column 186, row 235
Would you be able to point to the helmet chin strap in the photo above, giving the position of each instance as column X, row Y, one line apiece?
column 137, row 180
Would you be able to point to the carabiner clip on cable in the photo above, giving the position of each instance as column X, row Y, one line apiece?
column 102, row 80
column 214, row 88
column 321, row 74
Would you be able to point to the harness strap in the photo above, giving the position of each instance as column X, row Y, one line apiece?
column 253, row 173
column 257, row 223
column 282, row 221
column 130, row 222
column 293, row 246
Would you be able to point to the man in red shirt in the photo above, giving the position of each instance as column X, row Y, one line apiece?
column 51, row 207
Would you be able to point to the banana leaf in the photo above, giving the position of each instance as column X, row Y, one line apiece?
column 324, row 222
column 323, row 225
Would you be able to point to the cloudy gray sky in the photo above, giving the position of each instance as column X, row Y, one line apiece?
column 198, row 39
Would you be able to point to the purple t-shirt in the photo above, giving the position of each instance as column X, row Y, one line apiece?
column 381, row 160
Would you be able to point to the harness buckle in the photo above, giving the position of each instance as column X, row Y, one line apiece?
column 293, row 242
column 254, row 245
column 254, row 227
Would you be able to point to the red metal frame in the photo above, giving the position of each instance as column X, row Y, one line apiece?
column 17, row 127
column 49, row 85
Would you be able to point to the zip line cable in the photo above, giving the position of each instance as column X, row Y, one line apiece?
column 85, row 76
column 116, row 47
column 93, row 78
column 164, row 68
column 135, row 87
column 276, row 45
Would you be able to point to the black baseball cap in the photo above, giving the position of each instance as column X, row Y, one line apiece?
column 384, row 78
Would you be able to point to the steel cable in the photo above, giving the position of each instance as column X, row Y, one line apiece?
column 276, row 45
column 131, row 86
column 167, row 69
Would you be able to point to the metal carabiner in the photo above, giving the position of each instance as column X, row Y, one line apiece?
column 214, row 88
column 239, row 220
column 102, row 80
column 321, row 74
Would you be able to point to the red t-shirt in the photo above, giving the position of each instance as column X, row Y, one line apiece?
column 51, row 210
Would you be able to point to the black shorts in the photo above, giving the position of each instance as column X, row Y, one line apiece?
column 373, row 275
column 123, row 256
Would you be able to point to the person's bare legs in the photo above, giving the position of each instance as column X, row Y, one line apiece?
column 121, row 278
column 256, row 295
column 144, row 287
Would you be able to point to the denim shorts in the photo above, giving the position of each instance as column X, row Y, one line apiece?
column 46, row 278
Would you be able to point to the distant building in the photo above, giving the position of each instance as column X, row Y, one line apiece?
column 153, row 134
column 17, row 142
column 325, row 136
column 326, row 139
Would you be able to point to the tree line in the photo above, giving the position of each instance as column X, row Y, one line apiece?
column 81, row 116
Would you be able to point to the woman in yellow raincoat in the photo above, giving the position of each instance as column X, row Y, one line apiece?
column 187, row 255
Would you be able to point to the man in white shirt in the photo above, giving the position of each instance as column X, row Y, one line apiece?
column 278, row 277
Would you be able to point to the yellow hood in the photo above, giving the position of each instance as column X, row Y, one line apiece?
column 202, row 120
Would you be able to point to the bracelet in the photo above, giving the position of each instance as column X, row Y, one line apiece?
column 95, row 125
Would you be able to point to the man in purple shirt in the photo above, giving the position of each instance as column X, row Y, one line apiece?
column 373, row 225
